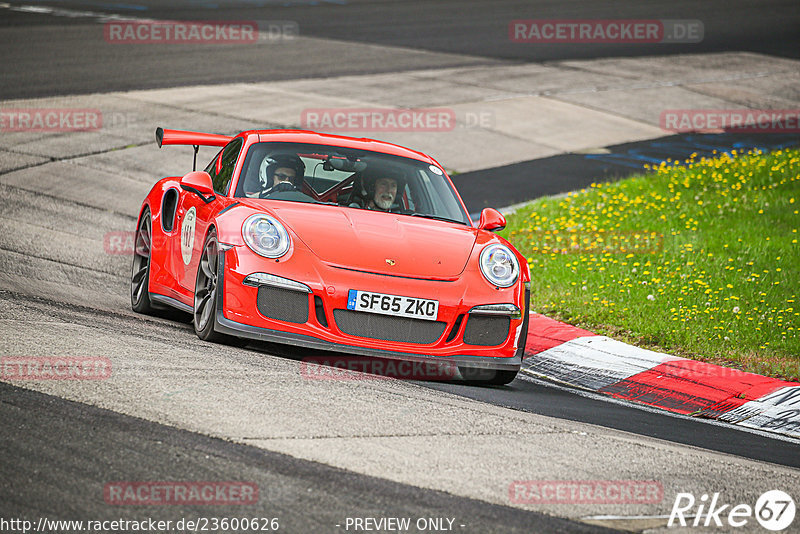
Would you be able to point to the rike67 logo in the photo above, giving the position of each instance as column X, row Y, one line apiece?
column 774, row 510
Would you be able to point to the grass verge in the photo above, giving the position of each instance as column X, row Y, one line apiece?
column 698, row 259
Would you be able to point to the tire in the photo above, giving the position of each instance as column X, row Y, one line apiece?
column 140, row 267
column 486, row 377
column 205, row 295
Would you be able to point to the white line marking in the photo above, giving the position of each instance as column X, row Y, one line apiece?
column 532, row 377
column 31, row 9
column 612, row 517
column 595, row 361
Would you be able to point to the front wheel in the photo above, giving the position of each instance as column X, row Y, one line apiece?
column 205, row 295
column 205, row 291
column 486, row 377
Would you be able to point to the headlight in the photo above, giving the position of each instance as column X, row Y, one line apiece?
column 499, row 265
column 265, row 236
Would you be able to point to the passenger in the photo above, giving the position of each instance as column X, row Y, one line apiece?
column 380, row 191
column 385, row 191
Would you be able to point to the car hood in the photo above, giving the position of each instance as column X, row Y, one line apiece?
column 379, row 242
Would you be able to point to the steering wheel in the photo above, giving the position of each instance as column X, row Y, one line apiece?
column 279, row 188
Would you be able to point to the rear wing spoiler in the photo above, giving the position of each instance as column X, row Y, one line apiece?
column 195, row 139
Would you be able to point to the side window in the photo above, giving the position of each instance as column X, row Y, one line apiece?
column 229, row 156
column 212, row 167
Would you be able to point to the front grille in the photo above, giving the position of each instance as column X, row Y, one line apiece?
column 486, row 330
column 388, row 328
column 283, row 304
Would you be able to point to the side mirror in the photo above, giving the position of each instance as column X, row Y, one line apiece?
column 199, row 182
column 491, row 220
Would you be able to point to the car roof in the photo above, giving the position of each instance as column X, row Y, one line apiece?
column 305, row 136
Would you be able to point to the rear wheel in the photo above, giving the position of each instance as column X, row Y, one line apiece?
column 140, row 269
column 486, row 377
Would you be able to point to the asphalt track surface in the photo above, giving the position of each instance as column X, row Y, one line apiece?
column 48, row 437
column 306, row 496
column 544, row 399
column 68, row 55
column 525, row 181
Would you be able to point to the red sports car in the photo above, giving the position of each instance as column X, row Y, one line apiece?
column 333, row 243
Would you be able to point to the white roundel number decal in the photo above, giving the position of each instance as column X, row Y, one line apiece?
column 187, row 235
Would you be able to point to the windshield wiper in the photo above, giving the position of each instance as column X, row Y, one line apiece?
column 434, row 217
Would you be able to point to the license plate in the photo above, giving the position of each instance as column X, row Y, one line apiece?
column 397, row 305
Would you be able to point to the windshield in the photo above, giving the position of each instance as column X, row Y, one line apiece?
column 350, row 178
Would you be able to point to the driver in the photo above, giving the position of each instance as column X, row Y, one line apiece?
column 278, row 173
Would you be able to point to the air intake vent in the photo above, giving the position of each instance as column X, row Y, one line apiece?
column 319, row 309
column 283, row 304
column 388, row 328
column 454, row 331
column 486, row 330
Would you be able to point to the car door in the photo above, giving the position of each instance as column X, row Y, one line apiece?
column 195, row 214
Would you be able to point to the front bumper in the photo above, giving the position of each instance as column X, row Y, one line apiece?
column 240, row 318
column 226, row 326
